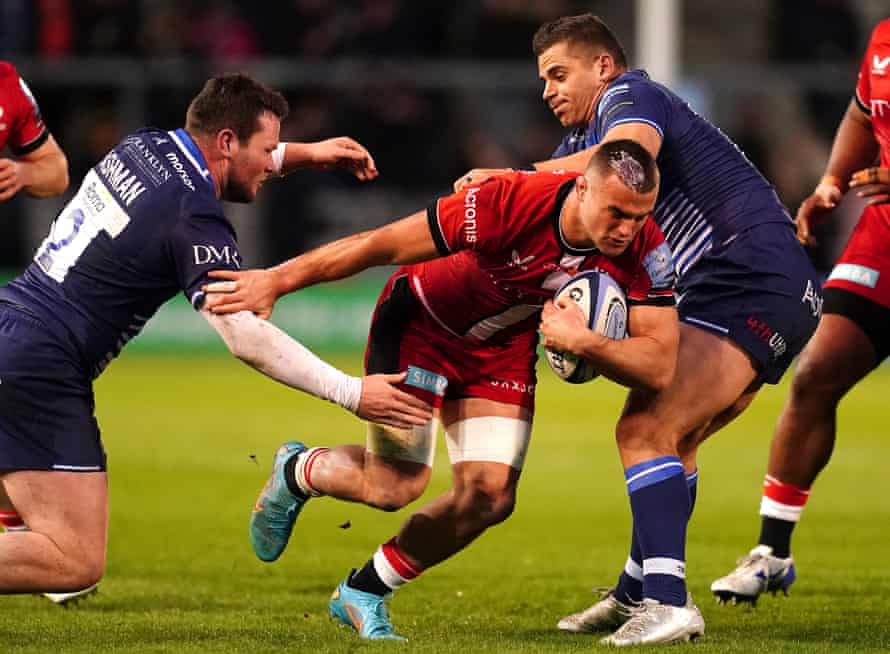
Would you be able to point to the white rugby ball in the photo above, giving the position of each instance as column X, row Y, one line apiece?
column 603, row 303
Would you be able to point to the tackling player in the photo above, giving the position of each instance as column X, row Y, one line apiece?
column 40, row 168
column 749, row 299
column 466, row 324
column 852, row 337
column 145, row 223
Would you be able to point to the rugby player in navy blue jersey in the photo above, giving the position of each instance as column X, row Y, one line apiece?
column 748, row 300
column 145, row 224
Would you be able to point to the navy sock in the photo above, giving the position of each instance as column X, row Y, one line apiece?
column 630, row 582
column 692, row 484
column 659, row 500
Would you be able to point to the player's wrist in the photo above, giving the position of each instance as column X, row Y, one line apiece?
column 832, row 180
column 349, row 393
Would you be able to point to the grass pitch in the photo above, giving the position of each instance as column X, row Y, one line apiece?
column 190, row 441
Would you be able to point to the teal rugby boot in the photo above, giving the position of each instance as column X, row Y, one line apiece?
column 276, row 509
column 364, row 612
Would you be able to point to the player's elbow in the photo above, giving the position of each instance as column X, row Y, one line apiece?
column 661, row 380
column 55, row 181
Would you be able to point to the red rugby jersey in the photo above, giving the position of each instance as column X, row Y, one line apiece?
column 505, row 255
column 873, row 87
column 21, row 127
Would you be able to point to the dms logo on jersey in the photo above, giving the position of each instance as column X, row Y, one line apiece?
column 211, row 254
column 879, row 65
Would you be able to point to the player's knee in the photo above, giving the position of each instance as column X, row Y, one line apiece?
column 396, row 496
column 816, row 382
column 486, row 505
column 640, row 431
column 82, row 572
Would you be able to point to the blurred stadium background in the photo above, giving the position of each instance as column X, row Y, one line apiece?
column 433, row 89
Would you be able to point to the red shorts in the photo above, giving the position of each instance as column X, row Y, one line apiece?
column 403, row 333
column 864, row 266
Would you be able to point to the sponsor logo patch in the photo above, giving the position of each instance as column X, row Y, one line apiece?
column 211, row 254
column 861, row 275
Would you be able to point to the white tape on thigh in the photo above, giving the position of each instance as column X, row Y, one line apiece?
column 417, row 444
column 490, row 438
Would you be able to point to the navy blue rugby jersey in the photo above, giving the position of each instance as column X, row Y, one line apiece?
column 709, row 190
column 144, row 225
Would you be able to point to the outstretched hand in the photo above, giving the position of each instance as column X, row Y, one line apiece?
column 346, row 154
column 815, row 209
column 381, row 402
column 241, row 290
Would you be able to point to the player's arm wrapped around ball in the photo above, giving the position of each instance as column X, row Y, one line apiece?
column 589, row 329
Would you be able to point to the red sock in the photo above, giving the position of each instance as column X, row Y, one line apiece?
column 782, row 501
column 392, row 565
column 12, row 521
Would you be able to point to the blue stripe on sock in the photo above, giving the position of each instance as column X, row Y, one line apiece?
column 652, row 472
column 692, row 478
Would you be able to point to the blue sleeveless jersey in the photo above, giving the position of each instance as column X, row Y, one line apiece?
column 144, row 225
column 710, row 191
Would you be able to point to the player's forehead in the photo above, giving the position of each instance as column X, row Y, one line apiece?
column 564, row 54
column 268, row 128
column 616, row 193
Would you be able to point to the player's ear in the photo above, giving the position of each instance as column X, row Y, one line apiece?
column 227, row 142
column 605, row 65
column 582, row 185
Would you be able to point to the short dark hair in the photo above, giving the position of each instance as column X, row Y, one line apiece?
column 234, row 101
column 629, row 161
column 586, row 30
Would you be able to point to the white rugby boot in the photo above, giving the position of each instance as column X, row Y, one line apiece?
column 607, row 614
column 653, row 622
column 70, row 599
column 757, row 573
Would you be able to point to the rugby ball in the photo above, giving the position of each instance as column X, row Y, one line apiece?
column 603, row 303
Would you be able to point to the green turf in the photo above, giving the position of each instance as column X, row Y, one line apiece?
column 190, row 442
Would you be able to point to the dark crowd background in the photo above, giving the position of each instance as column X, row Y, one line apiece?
column 431, row 88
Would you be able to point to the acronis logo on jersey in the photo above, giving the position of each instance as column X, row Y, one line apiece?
column 470, row 215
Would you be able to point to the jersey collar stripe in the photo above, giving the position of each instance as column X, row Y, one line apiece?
column 185, row 143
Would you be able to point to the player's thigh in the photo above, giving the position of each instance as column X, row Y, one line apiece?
column 712, row 373
column 836, row 358
column 70, row 508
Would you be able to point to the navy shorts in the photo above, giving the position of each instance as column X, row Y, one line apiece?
column 761, row 291
column 46, row 401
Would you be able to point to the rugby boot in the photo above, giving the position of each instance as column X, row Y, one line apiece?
column 364, row 612
column 653, row 622
column 607, row 614
column 67, row 600
column 276, row 509
column 757, row 573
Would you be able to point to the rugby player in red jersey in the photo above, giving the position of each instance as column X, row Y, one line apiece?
column 852, row 337
column 39, row 167
column 462, row 314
